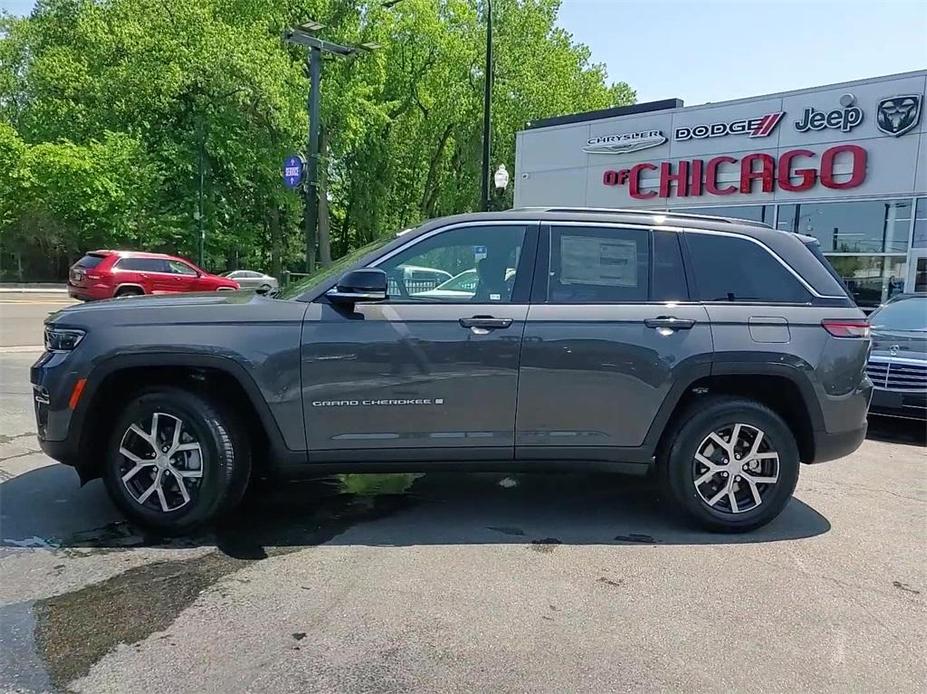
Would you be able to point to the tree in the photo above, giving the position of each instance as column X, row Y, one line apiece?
column 114, row 106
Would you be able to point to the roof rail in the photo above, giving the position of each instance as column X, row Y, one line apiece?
column 667, row 213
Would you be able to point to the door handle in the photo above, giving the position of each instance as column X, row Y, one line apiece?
column 670, row 322
column 485, row 322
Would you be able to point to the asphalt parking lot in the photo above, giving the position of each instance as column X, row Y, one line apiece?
column 457, row 582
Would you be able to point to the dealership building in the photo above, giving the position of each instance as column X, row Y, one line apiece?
column 846, row 163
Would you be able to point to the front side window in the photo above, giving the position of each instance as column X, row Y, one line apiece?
column 735, row 269
column 178, row 268
column 488, row 256
column 598, row 265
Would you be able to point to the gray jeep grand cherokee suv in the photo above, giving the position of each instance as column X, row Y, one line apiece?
column 713, row 352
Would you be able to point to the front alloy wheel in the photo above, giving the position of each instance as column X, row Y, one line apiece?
column 177, row 459
column 735, row 468
column 162, row 464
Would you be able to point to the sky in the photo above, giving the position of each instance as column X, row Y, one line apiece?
column 715, row 50
column 709, row 51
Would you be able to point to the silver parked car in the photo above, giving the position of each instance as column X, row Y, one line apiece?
column 251, row 279
column 898, row 363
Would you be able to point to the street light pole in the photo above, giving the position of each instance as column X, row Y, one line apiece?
column 312, row 174
column 487, row 99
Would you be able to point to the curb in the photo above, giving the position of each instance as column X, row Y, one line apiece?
column 55, row 289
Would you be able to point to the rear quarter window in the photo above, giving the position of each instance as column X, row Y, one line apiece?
column 734, row 269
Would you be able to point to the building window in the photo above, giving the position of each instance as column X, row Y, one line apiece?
column 871, row 280
column 876, row 226
column 753, row 213
column 920, row 224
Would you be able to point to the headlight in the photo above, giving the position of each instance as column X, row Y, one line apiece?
column 61, row 340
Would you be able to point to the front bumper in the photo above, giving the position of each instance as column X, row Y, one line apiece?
column 896, row 403
column 53, row 379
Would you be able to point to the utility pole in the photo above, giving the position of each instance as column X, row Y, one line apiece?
column 312, row 175
column 487, row 100
column 302, row 35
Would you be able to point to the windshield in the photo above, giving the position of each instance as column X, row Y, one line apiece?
column 336, row 268
column 904, row 314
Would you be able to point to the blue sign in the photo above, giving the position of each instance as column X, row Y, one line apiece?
column 293, row 168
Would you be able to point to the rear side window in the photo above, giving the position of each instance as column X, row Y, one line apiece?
column 91, row 260
column 734, row 269
column 598, row 265
column 142, row 265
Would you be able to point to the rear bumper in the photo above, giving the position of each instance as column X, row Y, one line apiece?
column 829, row 446
column 896, row 403
column 93, row 292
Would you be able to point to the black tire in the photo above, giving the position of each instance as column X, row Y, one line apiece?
column 129, row 291
column 676, row 464
column 264, row 289
column 225, row 460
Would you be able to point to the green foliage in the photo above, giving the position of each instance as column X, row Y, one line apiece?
column 110, row 109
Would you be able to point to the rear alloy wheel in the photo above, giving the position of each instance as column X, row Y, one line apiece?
column 734, row 468
column 731, row 464
column 177, row 460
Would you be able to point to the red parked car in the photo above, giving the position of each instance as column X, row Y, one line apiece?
column 108, row 274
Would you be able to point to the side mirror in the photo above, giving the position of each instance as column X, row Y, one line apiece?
column 366, row 284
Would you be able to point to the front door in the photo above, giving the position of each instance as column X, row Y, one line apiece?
column 609, row 333
column 432, row 371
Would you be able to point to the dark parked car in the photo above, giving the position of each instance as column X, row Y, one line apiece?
column 717, row 353
column 114, row 274
column 898, row 363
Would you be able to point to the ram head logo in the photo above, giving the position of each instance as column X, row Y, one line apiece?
column 898, row 114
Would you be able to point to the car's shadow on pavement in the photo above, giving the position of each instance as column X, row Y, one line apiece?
column 894, row 430
column 46, row 508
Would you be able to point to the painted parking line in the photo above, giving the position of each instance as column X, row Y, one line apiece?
column 36, row 302
column 22, row 349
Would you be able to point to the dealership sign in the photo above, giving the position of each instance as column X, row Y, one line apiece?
column 898, row 114
column 624, row 143
column 754, row 127
column 843, row 119
column 757, row 172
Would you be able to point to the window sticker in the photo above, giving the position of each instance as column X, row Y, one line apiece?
column 598, row 261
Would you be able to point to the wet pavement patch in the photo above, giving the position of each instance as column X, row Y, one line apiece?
column 905, row 587
column 636, row 538
column 545, row 545
column 21, row 668
column 75, row 630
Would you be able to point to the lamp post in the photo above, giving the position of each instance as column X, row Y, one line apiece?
column 487, row 99
column 302, row 35
column 501, row 181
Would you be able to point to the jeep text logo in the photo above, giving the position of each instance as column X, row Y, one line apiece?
column 843, row 119
column 754, row 127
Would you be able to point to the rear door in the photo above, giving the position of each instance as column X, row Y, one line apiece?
column 423, row 375
column 609, row 333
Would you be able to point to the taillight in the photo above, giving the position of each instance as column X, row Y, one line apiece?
column 846, row 327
